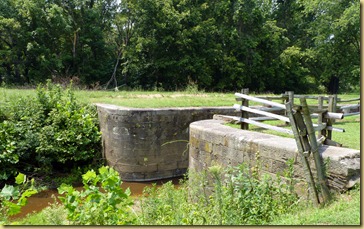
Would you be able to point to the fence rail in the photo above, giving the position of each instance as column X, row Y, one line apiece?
column 332, row 100
column 302, row 128
column 325, row 118
column 326, row 114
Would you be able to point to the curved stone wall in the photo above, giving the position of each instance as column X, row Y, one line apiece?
column 149, row 144
column 212, row 142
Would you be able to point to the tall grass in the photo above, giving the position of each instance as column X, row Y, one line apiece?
column 54, row 214
column 233, row 196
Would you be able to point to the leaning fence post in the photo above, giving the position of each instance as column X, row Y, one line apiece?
column 244, row 114
column 304, row 161
column 314, row 149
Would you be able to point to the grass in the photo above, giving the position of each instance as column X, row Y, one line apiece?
column 54, row 214
column 343, row 210
column 137, row 99
column 351, row 137
column 149, row 99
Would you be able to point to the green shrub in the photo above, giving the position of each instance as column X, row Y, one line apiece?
column 48, row 133
column 95, row 207
column 231, row 196
column 12, row 198
column 71, row 133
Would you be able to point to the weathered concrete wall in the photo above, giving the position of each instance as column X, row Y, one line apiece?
column 213, row 142
column 149, row 144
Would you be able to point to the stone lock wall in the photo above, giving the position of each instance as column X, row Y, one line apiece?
column 212, row 142
column 149, row 144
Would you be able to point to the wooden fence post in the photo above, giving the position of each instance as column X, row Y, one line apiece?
column 289, row 99
column 321, row 118
column 334, row 108
column 320, row 168
column 245, row 114
column 300, row 147
column 331, row 108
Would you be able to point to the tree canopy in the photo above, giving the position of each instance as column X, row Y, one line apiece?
column 265, row 45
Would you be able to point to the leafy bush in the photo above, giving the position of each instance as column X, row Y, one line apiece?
column 48, row 133
column 12, row 198
column 238, row 196
column 95, row 207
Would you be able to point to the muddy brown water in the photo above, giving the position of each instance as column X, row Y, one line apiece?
column 43, row 199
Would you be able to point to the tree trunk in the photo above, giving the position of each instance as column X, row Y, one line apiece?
column 333, row 87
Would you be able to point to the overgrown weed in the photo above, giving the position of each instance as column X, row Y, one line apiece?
column 219, row 196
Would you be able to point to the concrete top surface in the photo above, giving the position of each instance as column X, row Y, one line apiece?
column 116, row 107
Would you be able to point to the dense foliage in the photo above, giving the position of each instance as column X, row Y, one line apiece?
column 52, row 132
column 111, row 206
column 231, row 196
column 265, row 45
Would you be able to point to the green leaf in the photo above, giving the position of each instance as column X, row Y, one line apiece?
column 24, row 196
column 65, row 188
column 103, row 170
column 89, row 176
column 13, row 208
column 20, row 179
column 9, row 192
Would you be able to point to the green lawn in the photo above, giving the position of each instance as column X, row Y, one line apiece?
column 149, row 99
column 343, row 210
column 138, row 99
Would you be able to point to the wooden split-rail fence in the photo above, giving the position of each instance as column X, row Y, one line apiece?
column 302, row 128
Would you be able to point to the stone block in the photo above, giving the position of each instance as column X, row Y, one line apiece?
column 168, row 166
column 182, row 164
column 136, row 168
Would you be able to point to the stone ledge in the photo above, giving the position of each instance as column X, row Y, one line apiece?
column 225, row 143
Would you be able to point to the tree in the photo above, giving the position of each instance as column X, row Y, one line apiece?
column 89, row 55
column 266, row 45
column 335, row 31
column 170, row 45
column 56, row 38
column 11, row 43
